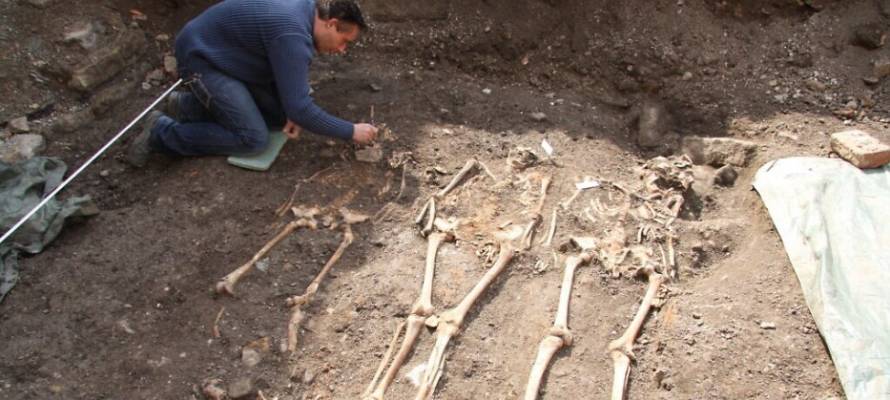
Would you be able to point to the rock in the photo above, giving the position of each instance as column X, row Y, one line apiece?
column 21, row 147
column 816, row 86
column 726, row 176
column 162, row 37
column 370, row 154
column 308, row 377
column 538, row 116
column 241, row 388
column 155, row 76
column 871, row 36
column 881, row 68
column 73, row 121
column 388, row 11
column 860, row 148
column 212, row 391
column 652, row 125
column 486, row 91
column 42, row 4
column 171, row 67
column 767, row 325
column 108, row 61
column 19, row 125
column 250, row 357
column 111, row 97
column 375, row 87
column 719, row 151
column 86, row 35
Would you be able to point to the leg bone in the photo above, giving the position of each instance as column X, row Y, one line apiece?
column 227, row 284
column 414, row 325
column 451, row 320
column 385, row 360
column 621, row 349
column 297, row 303
column 559, row 335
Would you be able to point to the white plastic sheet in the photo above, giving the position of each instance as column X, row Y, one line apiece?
column 834, row 220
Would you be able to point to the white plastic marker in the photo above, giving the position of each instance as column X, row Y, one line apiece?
column 547, row 147
column 88, row 162
column 587, row 184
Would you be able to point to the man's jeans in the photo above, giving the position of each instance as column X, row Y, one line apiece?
column 220, row 115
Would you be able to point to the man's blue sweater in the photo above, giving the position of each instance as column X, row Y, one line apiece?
column 263, row 42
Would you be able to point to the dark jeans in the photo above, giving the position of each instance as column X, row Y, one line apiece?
column 220, row 115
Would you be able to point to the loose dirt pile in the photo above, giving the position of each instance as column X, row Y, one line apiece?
column 664, row 108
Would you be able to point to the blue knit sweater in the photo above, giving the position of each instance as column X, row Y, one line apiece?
column 264, row 42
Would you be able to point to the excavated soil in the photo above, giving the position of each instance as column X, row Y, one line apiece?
column 121, row 306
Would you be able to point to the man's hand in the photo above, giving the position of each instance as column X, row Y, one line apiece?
column 292, row 130
column 364, row 133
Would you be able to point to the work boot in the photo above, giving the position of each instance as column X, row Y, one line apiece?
column 140, row 147
column 171, row 107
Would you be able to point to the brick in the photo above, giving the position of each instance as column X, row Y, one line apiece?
column 860, row 149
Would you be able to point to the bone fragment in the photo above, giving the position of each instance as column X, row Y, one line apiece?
column 282, row 209
column 296, row 303
column 487, row 171
column 385, row 360
column 548, row 240
column 672, row 258
column 227, row 284
column 414, row 325
column 423, row 213
column 529, row 233
column 431, row 219
column 402, row 184
column 451, row 320
column 424, row 304
column 559, row 335
column 457, row 178
column 215, row 331
column 621, row 349
column 565, row 204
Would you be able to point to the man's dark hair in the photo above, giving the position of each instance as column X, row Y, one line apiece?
column 341, row 10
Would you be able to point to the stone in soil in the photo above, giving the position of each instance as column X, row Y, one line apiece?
column 86, row 35
column 726, row 176
column 19, row 125
column 242, row 388
column 860, row 148
column 881, row 68
column 73, row 121
column 719, row 151
column 109, row 61
column 652, row 125
column 170, row 65
column 21, row 147
column 538, row 116
column 871, row 36
column 370, row 154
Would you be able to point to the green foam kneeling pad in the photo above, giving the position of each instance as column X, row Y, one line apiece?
column 263, row 160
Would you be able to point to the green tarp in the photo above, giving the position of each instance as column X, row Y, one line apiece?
column 22, row 187
column 834, row 221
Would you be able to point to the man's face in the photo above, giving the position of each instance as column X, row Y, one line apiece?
column 333, row 36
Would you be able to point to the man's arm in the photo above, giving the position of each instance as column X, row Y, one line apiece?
column 290, row 55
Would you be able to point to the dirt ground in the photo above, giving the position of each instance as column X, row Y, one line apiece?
column 121, row 305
